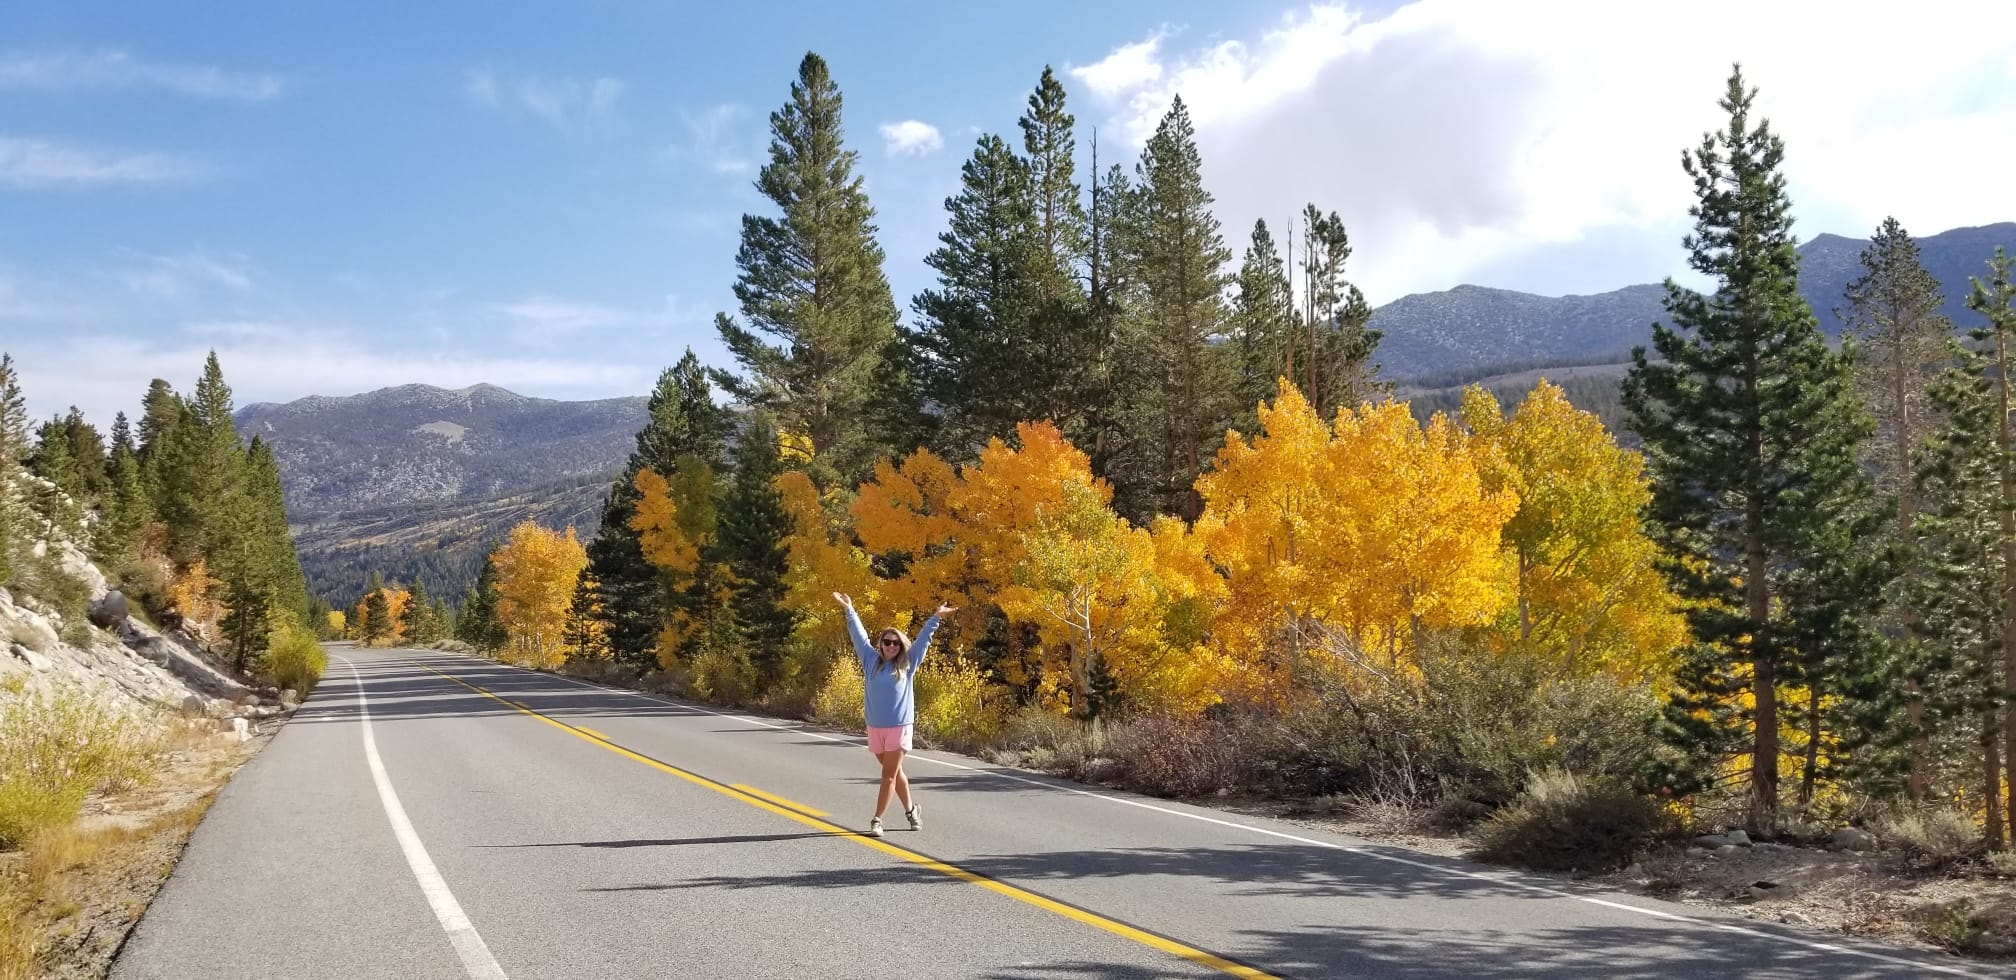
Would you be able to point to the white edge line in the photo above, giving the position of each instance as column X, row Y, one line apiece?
column 1496, row 879
column 461, row 932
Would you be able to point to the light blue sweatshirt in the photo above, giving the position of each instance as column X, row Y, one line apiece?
column 888, row 696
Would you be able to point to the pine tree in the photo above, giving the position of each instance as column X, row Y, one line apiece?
column 1750, row 431
column 124, row 512
column 1178, row 257
column 974, row 329
column 476, row 624
column 1337, row 344
column 59, row 500
column 14, row 448
column 1893, row 313
column 1958, row 592
column 682, row 421
column 752, row 549
column 1116, row 368
column 423, row 623
column 1048, row 145
column 811, row 278
column 1263, row 318
column 377, row 617
column 583, row 635
column 1996, row 300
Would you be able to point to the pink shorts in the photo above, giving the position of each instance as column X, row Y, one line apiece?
column 882, row 740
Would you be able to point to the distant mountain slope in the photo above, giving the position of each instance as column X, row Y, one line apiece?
column 419, row 480
column 1476, row 330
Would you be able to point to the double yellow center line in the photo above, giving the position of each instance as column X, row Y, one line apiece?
column 812, row 818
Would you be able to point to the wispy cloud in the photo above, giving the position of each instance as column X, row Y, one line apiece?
column 911, row 137
column 1127, row 67
column 553, row 313
column 113, row 68
column 29, row 163
column 179, row 276
column 712, row 141
column 570, row 105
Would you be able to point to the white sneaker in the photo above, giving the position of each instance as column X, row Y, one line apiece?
column 916, row 818
column 875, row 827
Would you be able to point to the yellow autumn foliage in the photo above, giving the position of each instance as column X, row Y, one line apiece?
column 536, row 572
column 1588, row 596
column 1372, row 526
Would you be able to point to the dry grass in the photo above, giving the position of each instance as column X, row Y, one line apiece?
column 62, row 747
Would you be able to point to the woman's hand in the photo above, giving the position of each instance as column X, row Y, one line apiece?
column 845, row 600
column 943, row 609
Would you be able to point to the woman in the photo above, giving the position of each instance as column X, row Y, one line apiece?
column 888, row 677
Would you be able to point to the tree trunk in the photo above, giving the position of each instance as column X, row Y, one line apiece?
column 1764, row 685
column 1811, row 773
column 1992, row 774
column 2003, row 469
column 1907, row 506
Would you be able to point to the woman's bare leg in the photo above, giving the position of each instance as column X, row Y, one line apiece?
column 892, row 767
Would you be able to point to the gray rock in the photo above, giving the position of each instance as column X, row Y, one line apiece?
column 35, row 660
column 28, row 630
column 1765, row 890
column 192, row 707
column 1854, row 839
column 1635, row 869
column 1697, row 852
column 1726, row 850
column 241, row 730
column 1734, row 838
column 249, row 701
column 110, row 611
column 1793, row 919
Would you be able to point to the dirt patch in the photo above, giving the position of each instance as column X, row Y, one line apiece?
column 84, row 888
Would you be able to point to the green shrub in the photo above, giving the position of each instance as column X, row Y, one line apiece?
column 956, row 706
column 42, row 577
column 1940, row 836
column 59, row 749
column 722, row 675
column 1564, row 822
column 294, row 660
column 839, row 701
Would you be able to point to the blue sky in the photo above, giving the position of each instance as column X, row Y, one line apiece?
column 341, row 196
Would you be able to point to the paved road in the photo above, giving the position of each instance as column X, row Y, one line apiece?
column 433, row 816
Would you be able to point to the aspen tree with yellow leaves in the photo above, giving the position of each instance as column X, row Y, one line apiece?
column 1588, row 593
column 536, row 573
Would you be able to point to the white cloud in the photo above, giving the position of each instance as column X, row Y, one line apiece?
column 713, row 141
column 119, row 69
column 30, row 163
column 1450, row 134
column 911, row 137
column 552, row 313
column 1129, row 67
column 178, row 276
column 570, row 105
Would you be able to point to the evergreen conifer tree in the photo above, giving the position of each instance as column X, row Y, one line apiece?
column 1751, row 433
column 811, row 281
column 752, row 535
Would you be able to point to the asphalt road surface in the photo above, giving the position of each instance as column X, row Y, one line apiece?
column 432, row 816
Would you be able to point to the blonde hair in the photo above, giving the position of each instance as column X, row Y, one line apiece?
column 901, row 662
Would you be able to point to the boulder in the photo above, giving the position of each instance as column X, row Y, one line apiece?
column 1726, row 850
column 1734, row 838
column 1766, row 890
column 1697, row 852
column 1854, row 839
column 27, row 629
column 111, row 610
column 241, row 730
column 192, row 707
column 34, row 660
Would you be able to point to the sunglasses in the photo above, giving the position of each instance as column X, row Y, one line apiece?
column 887, row 642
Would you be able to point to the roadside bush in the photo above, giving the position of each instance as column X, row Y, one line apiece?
column 1176, row 757
column 60, row 748
column 723, row 676
column 44, row 578
column 1564, row 822
column 294, row 660
column 838, row 702
column 1940, row 837
column 956, row 707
